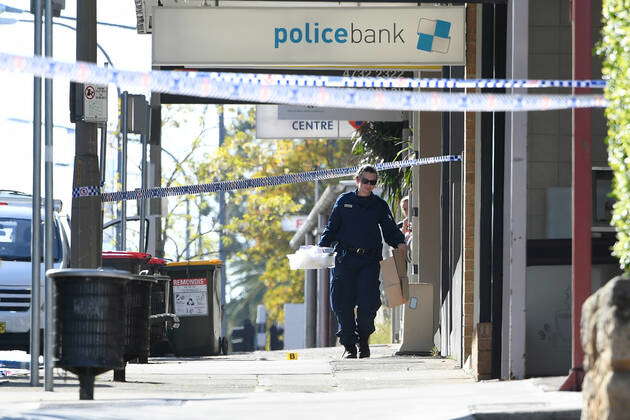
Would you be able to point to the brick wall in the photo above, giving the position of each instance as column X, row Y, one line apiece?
column 482, row 351
column 469, row 189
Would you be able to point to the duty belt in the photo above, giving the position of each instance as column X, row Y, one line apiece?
column 362, row 251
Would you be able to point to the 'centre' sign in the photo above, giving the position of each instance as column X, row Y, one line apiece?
column 311, row 36
column 269, row 126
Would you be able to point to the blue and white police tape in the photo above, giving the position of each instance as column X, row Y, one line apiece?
column 395, row 82
column 91, row 191
column 194, row 84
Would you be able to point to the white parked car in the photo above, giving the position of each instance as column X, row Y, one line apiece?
column 15, row 264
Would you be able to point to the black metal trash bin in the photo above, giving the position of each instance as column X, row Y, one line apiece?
column 163, row 317
column 136, row 312
column 89, row 328
column 160, row 295
column 196, row 296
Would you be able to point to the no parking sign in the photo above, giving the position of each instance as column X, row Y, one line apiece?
column 94, row 103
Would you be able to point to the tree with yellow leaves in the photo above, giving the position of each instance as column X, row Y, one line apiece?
column 253, row 232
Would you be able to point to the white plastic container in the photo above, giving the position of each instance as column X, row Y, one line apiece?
column 312, row 258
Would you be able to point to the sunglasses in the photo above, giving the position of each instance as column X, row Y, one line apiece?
column 369, row 181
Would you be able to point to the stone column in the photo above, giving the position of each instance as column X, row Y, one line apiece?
column 605, row 332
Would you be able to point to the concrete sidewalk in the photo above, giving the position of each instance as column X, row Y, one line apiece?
column 264, row 385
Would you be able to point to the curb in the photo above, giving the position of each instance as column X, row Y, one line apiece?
column 570, row 414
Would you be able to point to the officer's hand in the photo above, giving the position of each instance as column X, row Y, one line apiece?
column 402, row 247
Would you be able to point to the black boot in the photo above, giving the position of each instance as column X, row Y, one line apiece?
column 364, row 348
column 351, row 351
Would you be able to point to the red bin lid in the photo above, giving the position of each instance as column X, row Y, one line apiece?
column 157, row 261
column 130, row 255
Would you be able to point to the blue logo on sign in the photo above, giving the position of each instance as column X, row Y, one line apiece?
column 434, row 35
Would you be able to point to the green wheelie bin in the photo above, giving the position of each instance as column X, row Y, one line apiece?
column 196, row 300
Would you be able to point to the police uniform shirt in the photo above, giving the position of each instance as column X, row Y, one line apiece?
column 354, row 223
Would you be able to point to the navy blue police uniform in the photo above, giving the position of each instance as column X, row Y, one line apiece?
column 353, row 227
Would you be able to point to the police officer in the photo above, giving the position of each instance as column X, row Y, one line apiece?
column 354, row 227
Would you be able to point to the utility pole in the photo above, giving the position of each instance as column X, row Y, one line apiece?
column 310, row 292
column 155, row 170
column 187, row 236
column 122, row 168
column 323, row 297
column 146, row 134
column 200, row 252
column 36, row 238
column 87, row 224
column 222, row 219
column 48, row 209
column 310, row 301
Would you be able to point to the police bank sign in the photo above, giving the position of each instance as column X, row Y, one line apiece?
column 309, row 36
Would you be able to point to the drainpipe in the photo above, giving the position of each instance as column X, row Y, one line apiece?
column 582, row 189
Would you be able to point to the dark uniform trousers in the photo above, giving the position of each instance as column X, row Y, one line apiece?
column 355, row 283
column 355, row 225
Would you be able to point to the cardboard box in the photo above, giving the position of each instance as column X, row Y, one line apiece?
column 395, row 280
column 400, row 258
